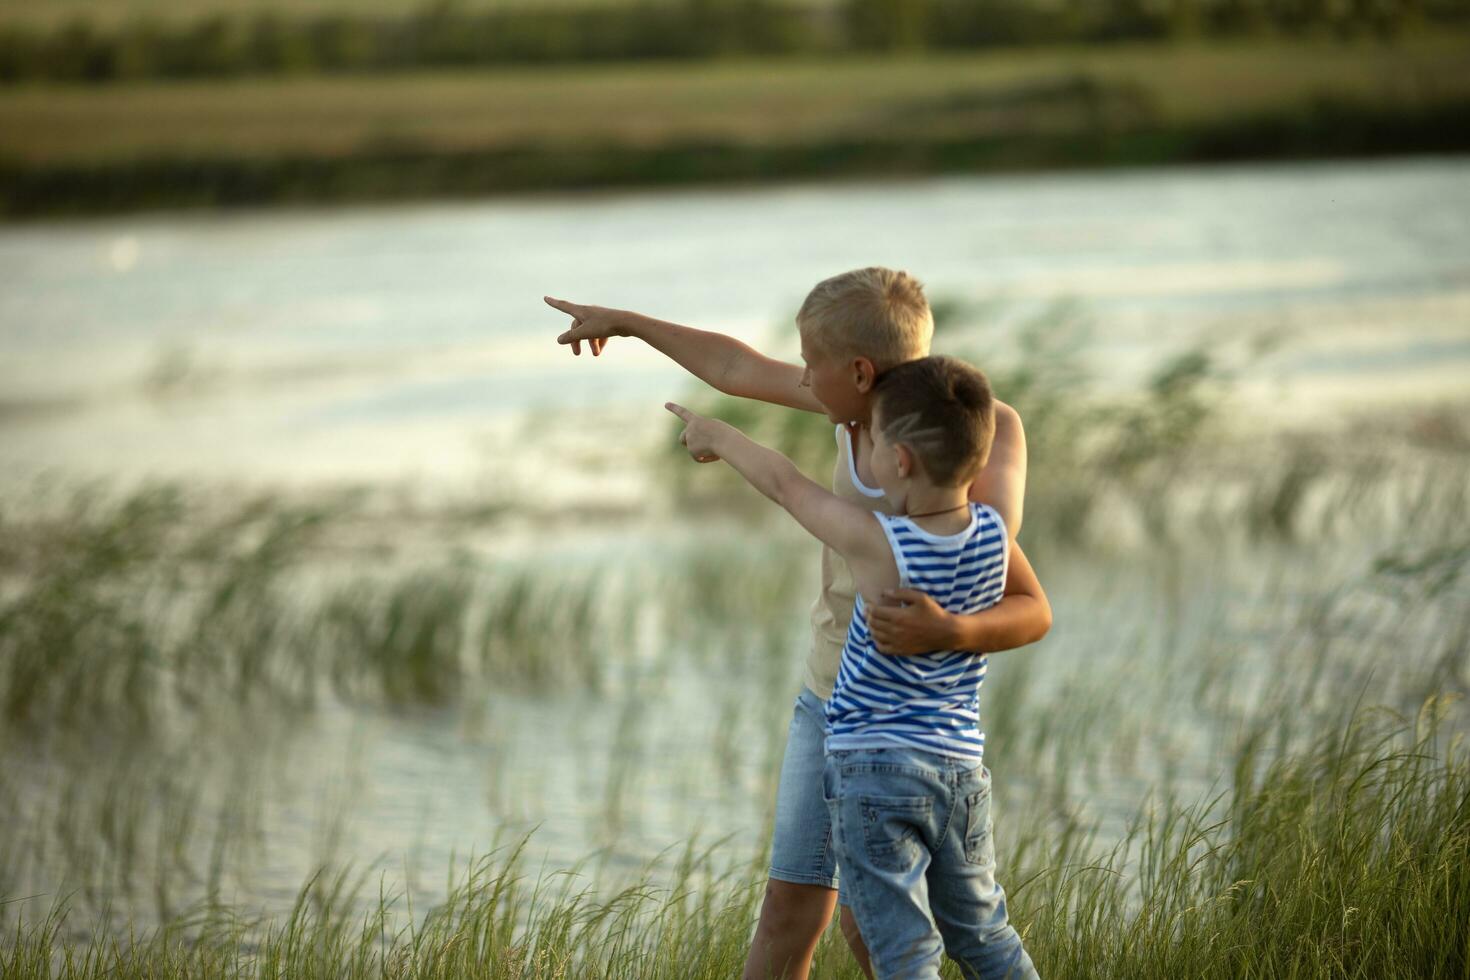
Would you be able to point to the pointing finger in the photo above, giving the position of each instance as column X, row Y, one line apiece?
column 563, row 305
column 680, row 411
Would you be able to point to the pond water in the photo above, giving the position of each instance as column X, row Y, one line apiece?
column 405, row 343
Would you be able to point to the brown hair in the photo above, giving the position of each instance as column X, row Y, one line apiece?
column 877, row 313
column 940, row 408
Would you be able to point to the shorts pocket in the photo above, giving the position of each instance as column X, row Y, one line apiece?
column 893, row 828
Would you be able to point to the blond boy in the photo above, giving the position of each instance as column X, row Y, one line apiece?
column 853, row 327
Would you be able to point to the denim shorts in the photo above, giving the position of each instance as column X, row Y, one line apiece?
column 912, row 831
column 801, row 847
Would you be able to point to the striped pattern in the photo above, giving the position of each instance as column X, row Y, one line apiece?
column 928, row 702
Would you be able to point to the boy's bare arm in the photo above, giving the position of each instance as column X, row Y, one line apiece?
column 1002, row 483
column 1022, row 616
column 850, row 530
column 722, row 362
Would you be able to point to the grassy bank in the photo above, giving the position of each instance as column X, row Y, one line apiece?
column 77, row 149
column 1348, row 859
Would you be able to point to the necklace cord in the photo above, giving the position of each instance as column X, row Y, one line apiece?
column 933, row 512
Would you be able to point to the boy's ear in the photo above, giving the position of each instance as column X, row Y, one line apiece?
column 865, row 375
column 905, row 460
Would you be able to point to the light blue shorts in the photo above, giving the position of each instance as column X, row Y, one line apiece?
column 914, row 835
column 801, row 847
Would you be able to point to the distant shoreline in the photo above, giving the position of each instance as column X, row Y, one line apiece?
column 117, row 148
column 1327, row 130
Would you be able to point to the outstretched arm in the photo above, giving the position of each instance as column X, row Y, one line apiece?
column 722, row 362
column 1022, row 616
column 850, row 530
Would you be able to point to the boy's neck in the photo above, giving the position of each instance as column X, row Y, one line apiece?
column 946, row 509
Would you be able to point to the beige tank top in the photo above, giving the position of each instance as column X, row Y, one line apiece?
column 833, row 609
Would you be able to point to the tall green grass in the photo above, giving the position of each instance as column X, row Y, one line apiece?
column 1350, row 858
column 1347, row 859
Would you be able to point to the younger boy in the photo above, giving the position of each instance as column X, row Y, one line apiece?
column 908, row 793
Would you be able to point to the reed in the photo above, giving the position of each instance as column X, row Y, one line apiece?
column 148, row 611
column 1349, row 858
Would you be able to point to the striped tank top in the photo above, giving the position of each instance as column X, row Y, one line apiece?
column 928, row 702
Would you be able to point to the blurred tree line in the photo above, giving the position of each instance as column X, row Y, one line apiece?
column 446, row 35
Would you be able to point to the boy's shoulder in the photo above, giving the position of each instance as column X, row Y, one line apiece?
column 985, row 522
column 989, row 521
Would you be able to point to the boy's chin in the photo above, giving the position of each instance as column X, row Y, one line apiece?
column 836, row 418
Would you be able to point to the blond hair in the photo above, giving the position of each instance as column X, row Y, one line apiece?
column 877, row 313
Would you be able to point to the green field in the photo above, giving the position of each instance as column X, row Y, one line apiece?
column 82, row 149
column 1015, row 94
column 50, row 14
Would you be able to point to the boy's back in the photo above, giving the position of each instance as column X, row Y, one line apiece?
column 928, row 702
column 908, row 794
